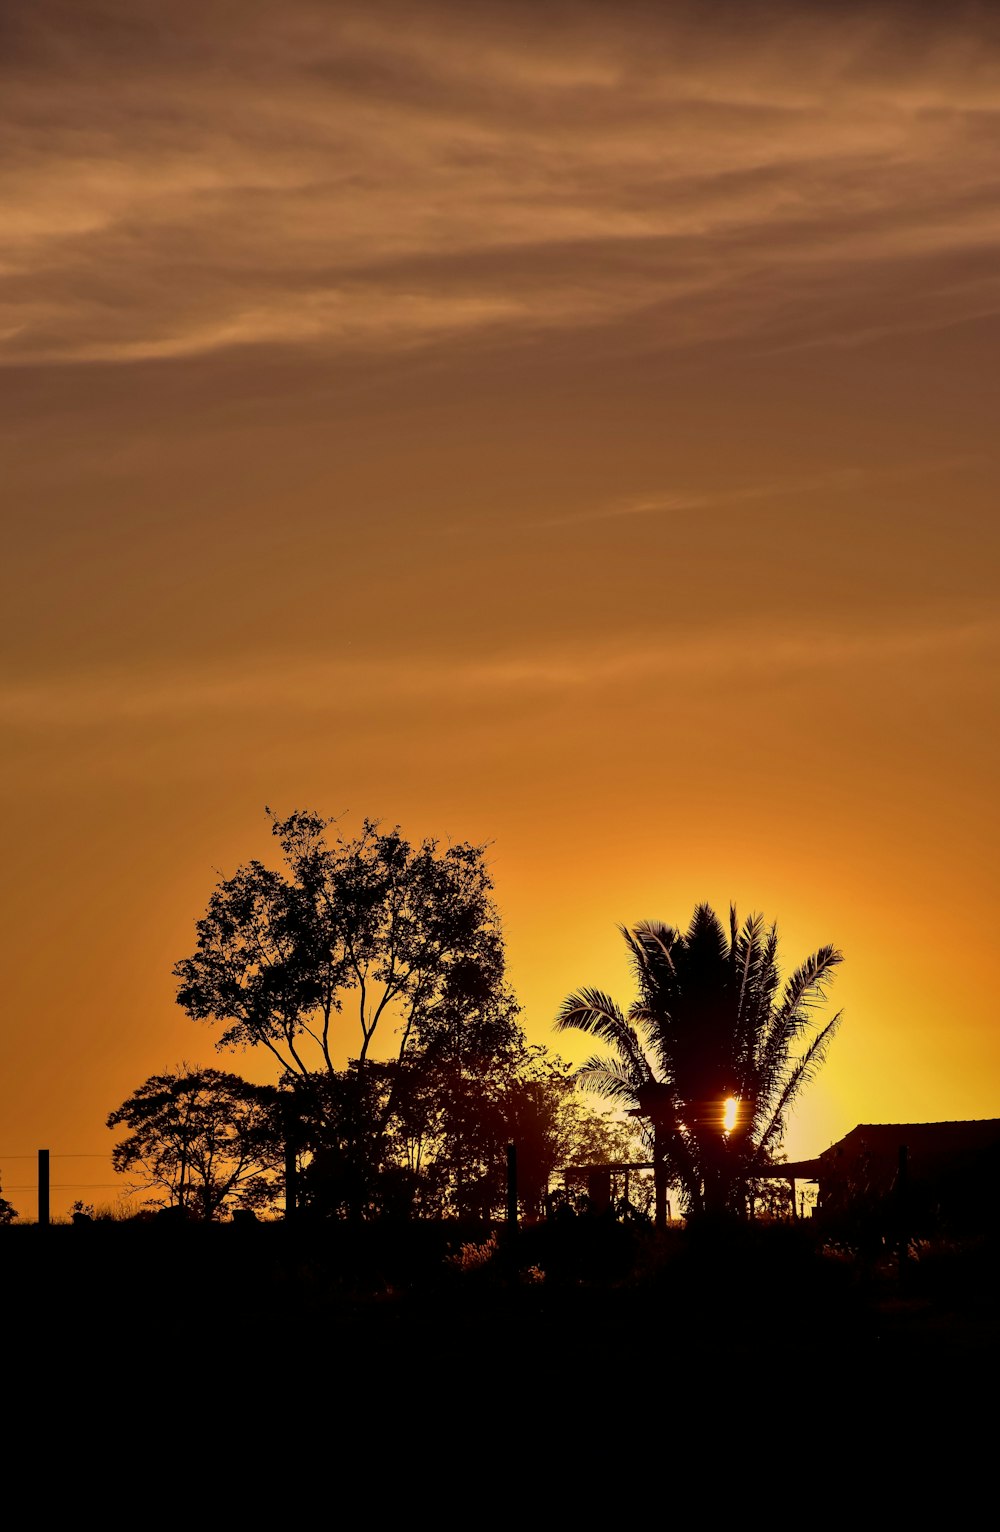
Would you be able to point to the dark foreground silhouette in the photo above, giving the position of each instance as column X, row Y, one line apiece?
column 585, row 1301
column 424, row 1371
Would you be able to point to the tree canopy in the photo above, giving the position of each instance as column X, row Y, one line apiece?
column 373, row 971
column 8, row 1212
column 201, row 1140
column 405, row 939
column 713, row 1051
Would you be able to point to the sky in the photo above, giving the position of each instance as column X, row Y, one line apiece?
column 565, row 427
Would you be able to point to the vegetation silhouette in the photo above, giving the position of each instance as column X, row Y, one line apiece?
column 408, row 936
column 407, row 940
column 393, row 952
column 208, row 1140
column 711, row 1026
column 408, row 1291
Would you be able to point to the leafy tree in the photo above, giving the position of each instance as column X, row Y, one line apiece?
column 449, row 1127
column 353, row 941
column 454, row 1110
column 711, row 1024
column 406, row 938
column 526, row 1096
column 443, row 1151
column 8, row 1212
column 202, row 1140
column 346, row 1168
column 555, row 1129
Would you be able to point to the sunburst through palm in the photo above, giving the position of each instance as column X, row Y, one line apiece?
column 712, row 1053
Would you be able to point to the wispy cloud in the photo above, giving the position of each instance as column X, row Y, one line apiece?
column 349, row 686
column 368, row 177
column 841, row 479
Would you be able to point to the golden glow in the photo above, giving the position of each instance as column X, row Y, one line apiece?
column 730, row 1112
column 577, row 438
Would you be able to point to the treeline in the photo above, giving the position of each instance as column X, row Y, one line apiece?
column 383, row 1140
column 378, row 947
column 390, row 956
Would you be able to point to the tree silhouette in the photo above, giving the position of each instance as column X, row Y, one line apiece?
column 407, row 937
column 202, row 1140
column 466, row 1120
column 708, row 1027
column 355, row 949
column 8, row 1212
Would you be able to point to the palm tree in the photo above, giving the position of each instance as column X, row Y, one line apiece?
column 712, row 1053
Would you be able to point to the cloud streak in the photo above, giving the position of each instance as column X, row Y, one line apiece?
column 843, row 479
column 372, row 178
column 350, row 686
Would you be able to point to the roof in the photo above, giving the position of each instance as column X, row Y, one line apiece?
column 788, row 1170
column 926, row 1140
column 923, row 1137
column 959, row 1122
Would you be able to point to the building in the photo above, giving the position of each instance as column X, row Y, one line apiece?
column 948, row 1171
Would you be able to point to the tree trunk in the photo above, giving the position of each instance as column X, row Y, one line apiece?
column 659, row 1180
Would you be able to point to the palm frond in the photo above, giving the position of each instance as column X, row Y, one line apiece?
column 590, row 1010
column 752, row 1000
column 655, row 938
column 806, row 987
column 653, row 1025
column 706, row 929
column 608, row 1078
column 802, row 1072
column 593, row 1012
column 651, row 946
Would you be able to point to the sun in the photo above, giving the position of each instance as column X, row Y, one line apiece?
column 730, row 1111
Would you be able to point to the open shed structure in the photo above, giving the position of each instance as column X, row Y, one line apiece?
column 606, row 1184
column 950, row 1170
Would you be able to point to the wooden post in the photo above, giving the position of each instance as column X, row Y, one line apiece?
column 43, row 1186
column 599, row 1188
column 659, row 1181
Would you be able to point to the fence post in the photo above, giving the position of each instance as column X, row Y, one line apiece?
column 43, row 1186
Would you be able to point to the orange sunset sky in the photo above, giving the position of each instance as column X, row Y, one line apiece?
column 568, row 426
